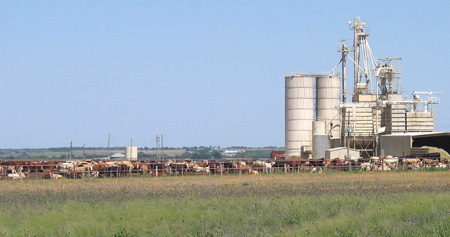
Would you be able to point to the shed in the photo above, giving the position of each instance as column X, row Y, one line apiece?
column 117, row 156
column 341, row 153
column 401, row 144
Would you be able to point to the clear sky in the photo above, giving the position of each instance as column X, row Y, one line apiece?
column 198, row 72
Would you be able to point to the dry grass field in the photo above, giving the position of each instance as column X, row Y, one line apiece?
column 48, row 154
column 343, row 204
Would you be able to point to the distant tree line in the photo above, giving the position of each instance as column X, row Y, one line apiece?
column 204, row 153
column 195, row 152
column 253, row 154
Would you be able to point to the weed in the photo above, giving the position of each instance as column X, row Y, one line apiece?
column 360, row 204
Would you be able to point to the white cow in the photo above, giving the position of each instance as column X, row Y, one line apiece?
column 197, row 168
column 64, row 167
column 384, row 167
column 366, row 166
column 56, row 176
column 15, row 176
column 263, row 164
column 316, row 169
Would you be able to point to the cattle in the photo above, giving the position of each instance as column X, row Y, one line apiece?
column 390, row 161
column 66, row 166
column 15, row 176
column 336, row 163
column 110, row 164
column 430, row 161
column 128, row 164
column 241, row 166
column 346, row 166
column 444, row 160
column 253, row 172
column 110, row 168
column 408, row 161
column 104, row 170
column 198, row 168
column 190, row 165
column 144, row 169
column 384, row 167
column 220, row 169
column 239, row 163
column 413, row 166
column 176, row 167
column 366, row 166
column 317, row 163
column 10, row 169
column 258, row 163
column 316, row 169
column 266, row 166
column 204, row 163
column 363, row 160
column 56, row 176
column 302, row 168
column 374, row 160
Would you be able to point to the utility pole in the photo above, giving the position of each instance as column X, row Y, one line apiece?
column 157, row 149
column 162, row 147
column 109, row 142
column 349, row 130
column 344, row 51
column 70, row 154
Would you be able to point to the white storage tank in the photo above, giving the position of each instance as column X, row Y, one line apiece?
column 299, row 114
column 319, row 128
column 328, row 97
column 131, row 153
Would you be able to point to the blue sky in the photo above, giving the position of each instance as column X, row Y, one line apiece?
column 199, row 72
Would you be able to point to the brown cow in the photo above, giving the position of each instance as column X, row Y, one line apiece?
column 253, row 172
column 241, row 166
column 144, row 169
column 204, row 163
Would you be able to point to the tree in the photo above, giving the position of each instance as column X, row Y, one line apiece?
column 216, row 154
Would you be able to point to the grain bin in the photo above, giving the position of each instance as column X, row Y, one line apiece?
column 299, row 112
column 131, row 153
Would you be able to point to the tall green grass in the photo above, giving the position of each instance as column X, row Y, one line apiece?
column 395, row 204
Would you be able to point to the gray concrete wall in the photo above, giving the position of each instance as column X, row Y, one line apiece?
column 320, row 144
column 340, row 153
column 395, row 145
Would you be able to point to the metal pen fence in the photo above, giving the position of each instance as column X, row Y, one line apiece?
column 18, row 170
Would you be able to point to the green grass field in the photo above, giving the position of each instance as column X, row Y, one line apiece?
column 342, row 204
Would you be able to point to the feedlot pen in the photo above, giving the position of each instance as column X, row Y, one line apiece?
column 23, row 170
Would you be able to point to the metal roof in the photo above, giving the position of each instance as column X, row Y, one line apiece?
column 418, row 134
column 117, row 155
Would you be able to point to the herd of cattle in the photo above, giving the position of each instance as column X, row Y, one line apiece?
column 114, row 169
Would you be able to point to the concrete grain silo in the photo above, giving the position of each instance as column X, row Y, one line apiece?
column 328, row 95
column 299, row 112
